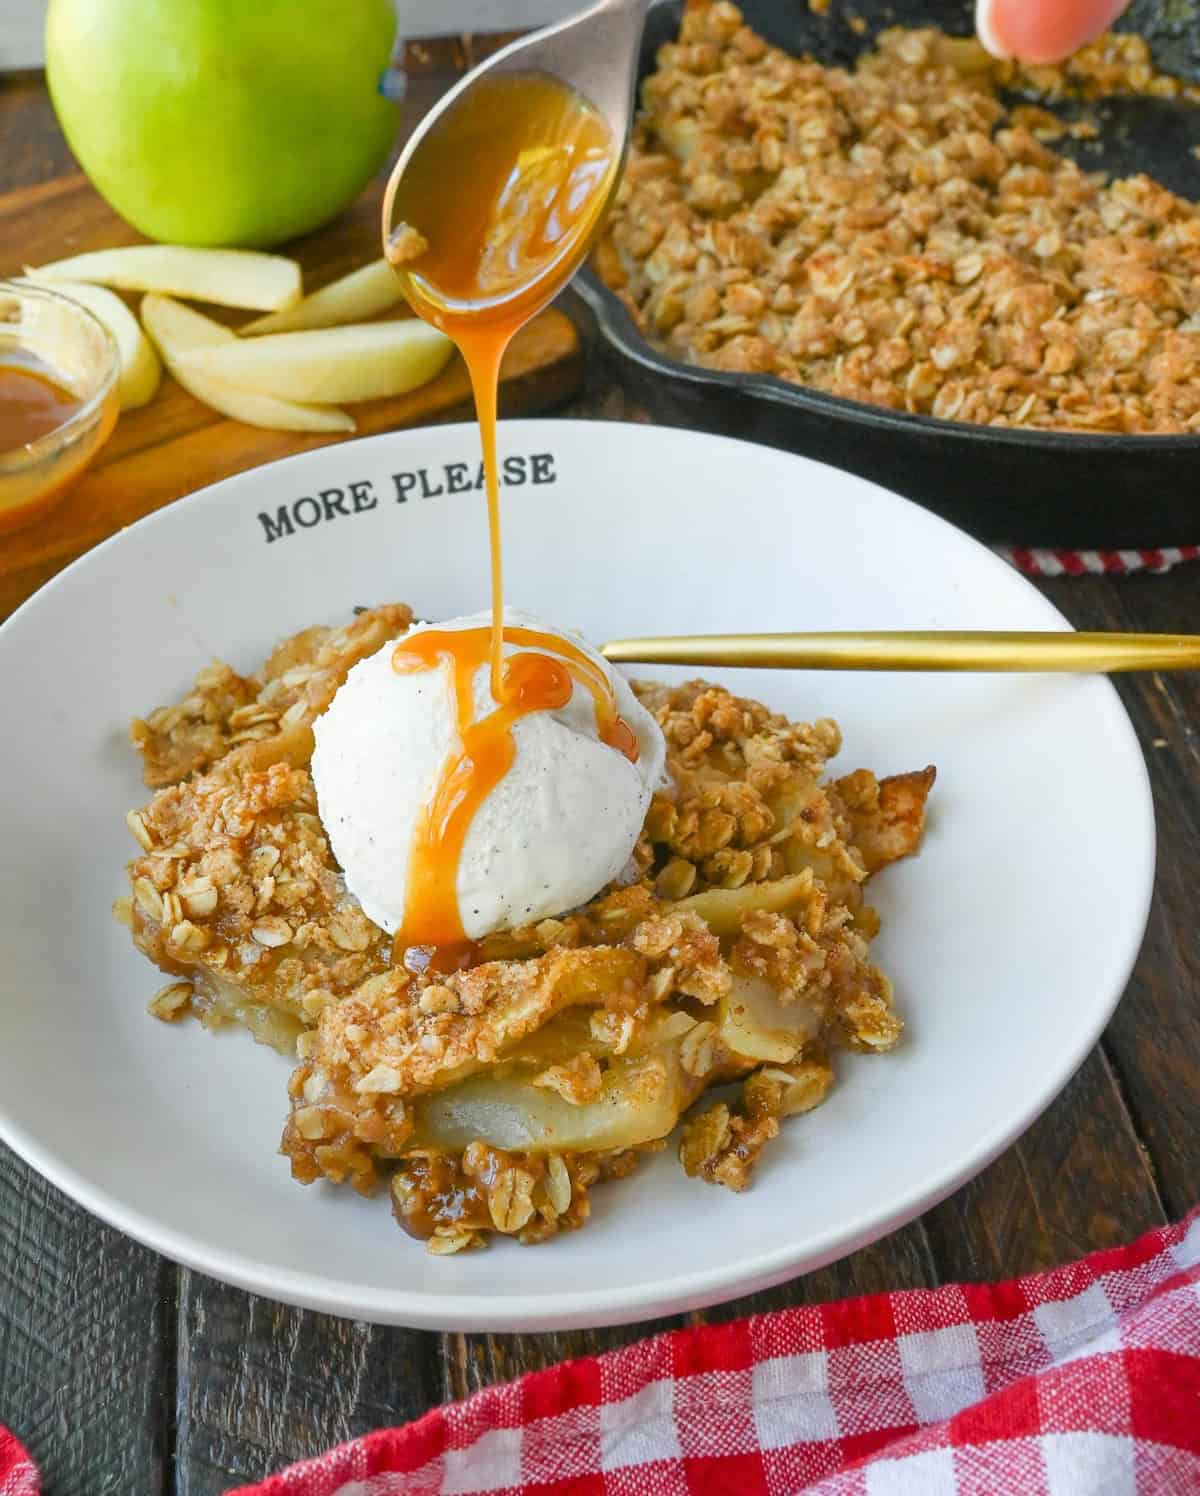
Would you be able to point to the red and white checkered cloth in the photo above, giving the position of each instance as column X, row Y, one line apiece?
column 18, row 1475
column 1081, row 1380
column 1038, row 561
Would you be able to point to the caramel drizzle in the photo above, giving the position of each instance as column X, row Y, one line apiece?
column 504, row 193
column 484, row 752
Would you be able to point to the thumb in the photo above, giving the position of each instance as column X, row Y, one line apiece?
column 1041, row 31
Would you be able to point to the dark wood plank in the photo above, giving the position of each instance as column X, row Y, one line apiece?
column 86, row 1343
column 32, row 148
column 1154, row 1037
column 261, row 1385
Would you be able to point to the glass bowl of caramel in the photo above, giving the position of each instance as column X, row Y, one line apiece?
column 58, row 397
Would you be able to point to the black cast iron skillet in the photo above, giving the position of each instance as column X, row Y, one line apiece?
column 1023, row 487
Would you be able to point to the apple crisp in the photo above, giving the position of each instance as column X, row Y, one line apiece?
column 488, row 1094
column 895, row 235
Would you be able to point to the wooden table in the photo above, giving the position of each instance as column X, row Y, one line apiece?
column 126, row 1374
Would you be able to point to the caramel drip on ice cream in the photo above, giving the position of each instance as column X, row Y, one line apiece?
column 484, row 750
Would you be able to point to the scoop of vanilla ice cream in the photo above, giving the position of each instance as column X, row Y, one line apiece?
column 559, row 826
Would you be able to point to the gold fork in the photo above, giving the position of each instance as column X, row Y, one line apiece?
column 949, row 649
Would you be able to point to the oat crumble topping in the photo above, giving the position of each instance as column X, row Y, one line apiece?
column 894, row 235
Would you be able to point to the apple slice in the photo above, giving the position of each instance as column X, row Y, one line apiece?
column 178, row 331
column 140, row 368
column 356, row 297
column 643, row 1096
column 229, row 277
column 756, row 1024
column 722, row 909
column 364, row 361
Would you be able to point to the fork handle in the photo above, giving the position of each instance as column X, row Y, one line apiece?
column 921, row 650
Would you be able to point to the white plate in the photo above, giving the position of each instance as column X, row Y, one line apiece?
column 1009, row 938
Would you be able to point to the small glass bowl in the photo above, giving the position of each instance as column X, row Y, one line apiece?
column 40, row 328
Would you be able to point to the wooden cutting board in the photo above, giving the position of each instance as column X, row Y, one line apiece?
column 176, row 444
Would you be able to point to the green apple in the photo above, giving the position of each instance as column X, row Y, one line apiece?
column 223, row 122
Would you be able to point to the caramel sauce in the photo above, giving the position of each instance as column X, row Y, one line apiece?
column 529, row 682
column 438, row 1193
column 434, row 960
column 494, row 212
column 32, row 404
column 504, row 193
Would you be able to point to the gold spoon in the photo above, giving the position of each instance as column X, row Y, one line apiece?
column 937, row 649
